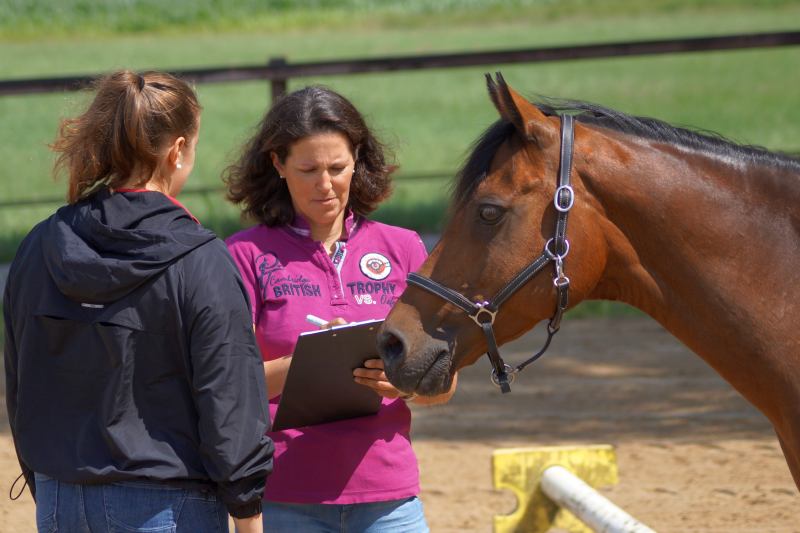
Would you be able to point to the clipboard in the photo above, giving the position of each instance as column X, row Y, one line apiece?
column 319, row 386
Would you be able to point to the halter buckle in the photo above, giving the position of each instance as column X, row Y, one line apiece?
column 570, row 200
column 482, row 308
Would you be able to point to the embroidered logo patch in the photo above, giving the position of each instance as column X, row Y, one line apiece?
column 266, row 267
column 276, row 282
column 375, row 266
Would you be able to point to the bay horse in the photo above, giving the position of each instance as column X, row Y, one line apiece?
column 700, row 233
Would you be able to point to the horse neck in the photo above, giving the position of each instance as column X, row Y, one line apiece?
column 706, row 246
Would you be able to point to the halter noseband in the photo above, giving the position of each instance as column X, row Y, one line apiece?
column 556, row 249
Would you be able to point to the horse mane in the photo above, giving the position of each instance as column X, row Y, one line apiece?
column 475, row 167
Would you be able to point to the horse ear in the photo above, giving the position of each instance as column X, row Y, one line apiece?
column 516, row 109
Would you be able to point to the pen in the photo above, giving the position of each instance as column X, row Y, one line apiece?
column 317, row 321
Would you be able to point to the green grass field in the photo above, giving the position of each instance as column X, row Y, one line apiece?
column 34, row 18
column 428, row 117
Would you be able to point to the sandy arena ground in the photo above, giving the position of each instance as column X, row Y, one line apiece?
column 693, row 456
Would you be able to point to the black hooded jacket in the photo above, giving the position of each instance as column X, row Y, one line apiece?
column 130, row 354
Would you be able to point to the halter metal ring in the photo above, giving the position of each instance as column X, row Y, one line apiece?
column 510, row 372
column 558, row 195
column 554, row 255
column 482, row 309
column 560, row 281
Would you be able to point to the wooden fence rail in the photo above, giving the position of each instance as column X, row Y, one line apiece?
column 278, row 71
column 212, row 189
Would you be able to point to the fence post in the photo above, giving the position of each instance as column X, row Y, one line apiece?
column 278, row 86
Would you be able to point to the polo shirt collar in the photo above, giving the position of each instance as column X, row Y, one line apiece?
column 300, row 225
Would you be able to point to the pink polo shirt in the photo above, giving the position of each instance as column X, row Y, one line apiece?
column 288, row 276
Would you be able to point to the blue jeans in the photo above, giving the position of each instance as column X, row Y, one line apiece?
column 126, row 507
column 396, row 516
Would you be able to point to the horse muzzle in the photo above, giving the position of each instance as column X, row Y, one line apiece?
column 423, row 367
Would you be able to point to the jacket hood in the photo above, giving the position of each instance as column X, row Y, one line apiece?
column 101, row 249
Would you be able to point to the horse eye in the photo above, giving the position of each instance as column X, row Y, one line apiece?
column 490, row 213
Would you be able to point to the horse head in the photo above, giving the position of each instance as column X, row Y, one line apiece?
column 675, row 222
column 502, row 218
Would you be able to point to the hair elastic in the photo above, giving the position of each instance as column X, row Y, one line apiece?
column 141, row 81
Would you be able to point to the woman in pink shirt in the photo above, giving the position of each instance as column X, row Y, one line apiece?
column 310, row 176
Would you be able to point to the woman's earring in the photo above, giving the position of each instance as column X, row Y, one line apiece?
column 178, row 166
column 281, row 177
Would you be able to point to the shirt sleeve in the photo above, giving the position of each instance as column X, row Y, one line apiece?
column 417, row 253
column 227, row 380
column 10, row 358
column 247, row 269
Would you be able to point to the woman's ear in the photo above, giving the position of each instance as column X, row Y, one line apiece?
column 174, row 154
column 276, row 162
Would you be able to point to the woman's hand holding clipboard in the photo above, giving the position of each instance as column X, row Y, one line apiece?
column 371, row 374
column 320, row 386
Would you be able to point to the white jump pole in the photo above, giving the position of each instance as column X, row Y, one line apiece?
column 596, row 511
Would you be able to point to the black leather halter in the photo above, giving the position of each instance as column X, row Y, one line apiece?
column 555, row 250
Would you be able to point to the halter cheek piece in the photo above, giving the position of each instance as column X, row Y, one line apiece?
column 555, row 250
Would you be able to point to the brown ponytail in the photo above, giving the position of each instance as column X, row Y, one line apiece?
column 121, row 134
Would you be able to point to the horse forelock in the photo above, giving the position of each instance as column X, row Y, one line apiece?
column 477, row 163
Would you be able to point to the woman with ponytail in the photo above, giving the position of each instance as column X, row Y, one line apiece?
column 134, row 385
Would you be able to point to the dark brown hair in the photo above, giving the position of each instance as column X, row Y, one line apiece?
column 128, row 122
column 254, row 183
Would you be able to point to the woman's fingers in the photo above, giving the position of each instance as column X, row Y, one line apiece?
column 376, row 384
column 338, row 321
column 383, row 388
column 368, row 373
column 372, row 375
column 372, row 369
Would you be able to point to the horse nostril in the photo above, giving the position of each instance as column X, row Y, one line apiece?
column 391, row 347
